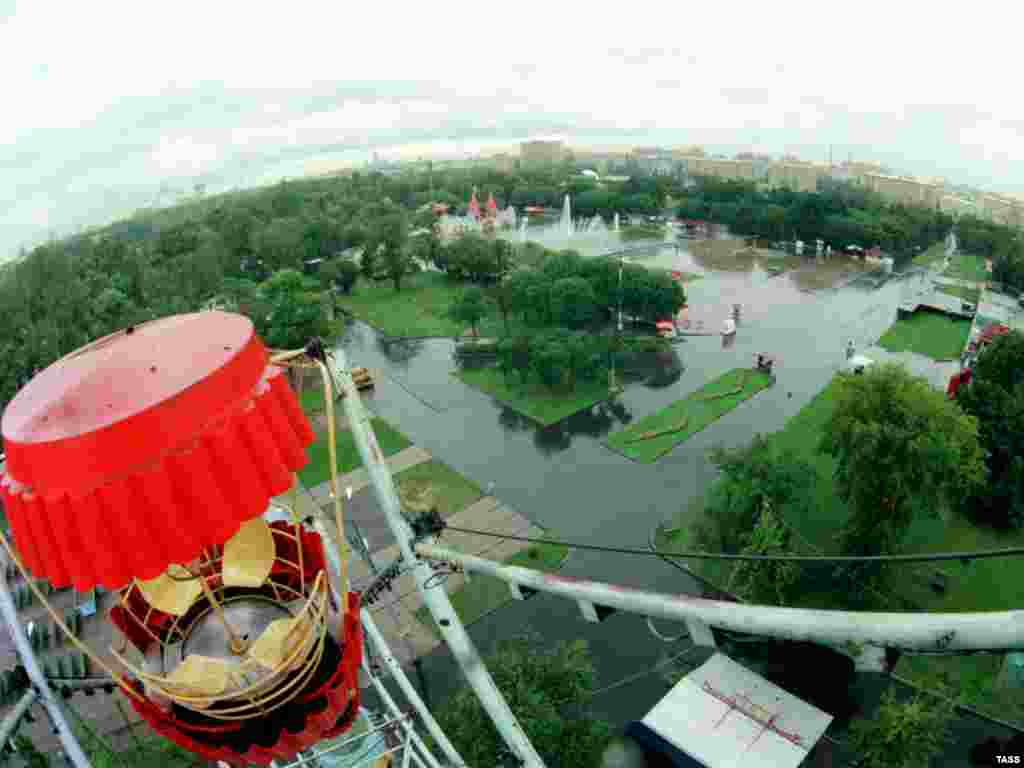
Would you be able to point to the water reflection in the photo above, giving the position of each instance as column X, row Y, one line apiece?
column 553, row 439
column 513, row 421
column 399, row 351
column 595, row 422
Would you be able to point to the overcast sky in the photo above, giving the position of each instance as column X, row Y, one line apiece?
column 105, row 103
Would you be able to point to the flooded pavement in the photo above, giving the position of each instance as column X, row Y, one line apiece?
column 563, row 479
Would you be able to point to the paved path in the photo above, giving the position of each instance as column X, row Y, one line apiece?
column 360, row 478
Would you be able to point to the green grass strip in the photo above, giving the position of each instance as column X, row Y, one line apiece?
column 700, row 408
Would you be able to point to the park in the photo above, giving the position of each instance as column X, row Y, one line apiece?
column 520, row 384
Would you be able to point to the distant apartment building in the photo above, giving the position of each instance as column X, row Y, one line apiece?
column 957, row 206
column 741, row 170
column 540, row 153
column 693, row 151
column 798, row 176
column 855, row 172
column 503, row 162
column 1000, row 209
column 899, row 189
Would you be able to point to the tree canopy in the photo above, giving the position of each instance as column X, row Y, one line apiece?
column 996, row 399
column 902, row 449
column 547, row 691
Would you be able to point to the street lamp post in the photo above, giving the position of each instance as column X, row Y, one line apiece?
column 611, row 367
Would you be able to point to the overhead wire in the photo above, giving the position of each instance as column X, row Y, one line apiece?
column 922, row 558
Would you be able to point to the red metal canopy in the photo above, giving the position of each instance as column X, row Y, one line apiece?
column 141, row 448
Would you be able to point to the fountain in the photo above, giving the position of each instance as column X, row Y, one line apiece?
column 567, row 227
column 591, row 236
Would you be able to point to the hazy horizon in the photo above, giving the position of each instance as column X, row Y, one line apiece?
column 109, row 104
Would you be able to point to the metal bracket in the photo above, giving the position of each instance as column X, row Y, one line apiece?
column 520, row 592
column 700, row 633
column 594, row 613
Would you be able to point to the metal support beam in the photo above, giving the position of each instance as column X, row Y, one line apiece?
column 454, row 634
column 389, row 702
column 10, row 723
column 931, row 632
column 380, row 646
column 72, row 749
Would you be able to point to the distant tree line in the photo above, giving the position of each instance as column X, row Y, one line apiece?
column 839, row 213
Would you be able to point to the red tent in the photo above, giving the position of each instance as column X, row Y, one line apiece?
column 991, row 331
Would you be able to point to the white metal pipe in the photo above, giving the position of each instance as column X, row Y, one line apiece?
column 72, row 749
column 927, row 632
column 14, row 716
column 450, row 626
column 380, row 646
column 395, row 712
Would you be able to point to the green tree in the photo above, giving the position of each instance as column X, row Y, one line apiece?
column 765, row 581
column 470, row 308
column 295, row 310
column 996, row 399
column 574, row 302
column 547, row 691
column 392, row 234
column 901, row 448
column 903, row 734
column 551, row 360
column 279, row 244
column 751, row 476
column 562, row 264
column 528, row 294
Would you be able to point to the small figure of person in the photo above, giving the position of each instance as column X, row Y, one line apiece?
column 850, row 349
column 760, row 361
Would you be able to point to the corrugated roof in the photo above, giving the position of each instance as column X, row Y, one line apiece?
column 726, row 716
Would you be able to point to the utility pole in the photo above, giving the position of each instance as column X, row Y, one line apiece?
column 436, row 600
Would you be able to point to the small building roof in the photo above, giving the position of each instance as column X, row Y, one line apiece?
column 725, row 716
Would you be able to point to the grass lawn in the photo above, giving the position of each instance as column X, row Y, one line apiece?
column 482, row 594
column 700, row 414
column 318, row 469
column 419, row 309
column 533, row 399
column 961, row 292
column 927, row 333
column 452, row 491
column 312, row 399
column 966, row 266
column 933, row 253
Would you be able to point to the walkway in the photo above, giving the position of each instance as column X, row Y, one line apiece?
column 359, row 479
column 395, row 611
